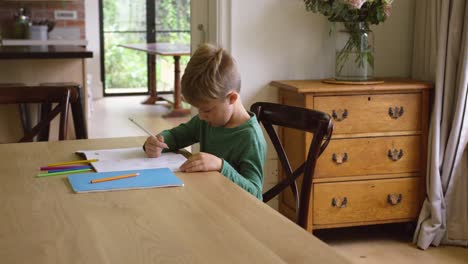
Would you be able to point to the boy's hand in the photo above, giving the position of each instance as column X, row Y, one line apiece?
column 202, row 162
column 154, row 146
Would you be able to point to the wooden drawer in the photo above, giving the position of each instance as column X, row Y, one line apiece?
column 365, row 201
column 367, row 156
column 370, row 113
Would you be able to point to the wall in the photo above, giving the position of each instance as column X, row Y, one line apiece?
column 92, row 35
column 42, row 10
column 279, row 40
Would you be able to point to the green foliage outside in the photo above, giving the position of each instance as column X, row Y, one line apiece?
column 126, row 68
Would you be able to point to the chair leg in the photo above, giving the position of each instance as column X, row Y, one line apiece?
column 44, row 133
column 79, row 122
column 25, row 117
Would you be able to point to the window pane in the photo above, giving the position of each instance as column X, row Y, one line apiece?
column 172, row 15
column 125, row 68
column 124, row 22
column 124, row 15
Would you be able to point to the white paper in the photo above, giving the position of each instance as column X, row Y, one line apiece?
column 131, row 159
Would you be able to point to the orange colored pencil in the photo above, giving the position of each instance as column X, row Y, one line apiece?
column 115, row 177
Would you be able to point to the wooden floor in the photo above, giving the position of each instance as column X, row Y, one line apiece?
column 109, row 117
column 388, row 244
column 371, row 244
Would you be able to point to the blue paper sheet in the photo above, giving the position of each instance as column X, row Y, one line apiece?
column 150, row 178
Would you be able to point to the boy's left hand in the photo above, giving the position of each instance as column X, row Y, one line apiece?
column 202, row 162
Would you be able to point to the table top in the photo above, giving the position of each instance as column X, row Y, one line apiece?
column 319, row 86
column 168, row 49
column 209, row 220
column 44, row 52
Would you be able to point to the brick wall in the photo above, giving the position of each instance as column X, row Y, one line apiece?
column 42, row 10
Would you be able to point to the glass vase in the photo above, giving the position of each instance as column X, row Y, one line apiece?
column 354, row 43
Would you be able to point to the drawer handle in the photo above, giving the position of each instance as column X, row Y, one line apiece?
column 339, row 115
column 394, row 199
column 395, row 154
column 339, row 204
column 396, row 112
column 340, row 158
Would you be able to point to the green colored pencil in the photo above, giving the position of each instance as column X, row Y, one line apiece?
column 62, row 172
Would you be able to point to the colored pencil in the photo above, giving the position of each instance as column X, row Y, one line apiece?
column 62, row 173
column 115, row 178
column 72, row 169
column 65, row 167
column 72, row 162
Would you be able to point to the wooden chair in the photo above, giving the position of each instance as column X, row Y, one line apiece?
column 45, row 96
column 318, row 123
column 77, row 107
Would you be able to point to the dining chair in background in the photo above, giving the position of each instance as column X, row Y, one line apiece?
column 272, row 115
column 62, row 97
column 77, row 107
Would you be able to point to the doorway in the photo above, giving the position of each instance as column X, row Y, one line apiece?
column 125, row 71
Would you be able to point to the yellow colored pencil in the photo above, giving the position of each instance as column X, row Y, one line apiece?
column 72, row 162
column 115, row 177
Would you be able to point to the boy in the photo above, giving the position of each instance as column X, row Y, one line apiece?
column 230, row 137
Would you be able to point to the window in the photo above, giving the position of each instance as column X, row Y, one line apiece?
column 125, row 71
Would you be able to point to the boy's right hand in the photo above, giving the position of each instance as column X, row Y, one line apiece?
column 154, row 146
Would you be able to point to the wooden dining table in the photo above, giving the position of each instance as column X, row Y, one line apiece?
column 175, row 50
column 208, row 220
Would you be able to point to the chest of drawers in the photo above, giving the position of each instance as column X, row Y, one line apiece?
column 373, row 170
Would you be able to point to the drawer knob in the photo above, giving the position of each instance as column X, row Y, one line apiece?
column 340, row 158
column 339, row 115
column 396, row 112
column 339, row 203
column 395, row 154
column 394, row 198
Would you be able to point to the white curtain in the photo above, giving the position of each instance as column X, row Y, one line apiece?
column 440, row 54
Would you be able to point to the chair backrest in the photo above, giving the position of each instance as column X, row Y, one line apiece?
column 316, row 122
column 46, row 96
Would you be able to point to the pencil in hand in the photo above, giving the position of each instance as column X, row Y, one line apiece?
column 157, row 140
column 115, row 178
column 140, row 126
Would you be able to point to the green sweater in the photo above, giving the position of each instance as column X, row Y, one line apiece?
column 242, row 149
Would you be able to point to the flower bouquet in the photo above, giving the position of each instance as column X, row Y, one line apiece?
column 354, row 49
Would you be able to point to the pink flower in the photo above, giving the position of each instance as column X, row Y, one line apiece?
column 356, row 4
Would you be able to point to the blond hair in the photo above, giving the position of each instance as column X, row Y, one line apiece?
column 211, row 73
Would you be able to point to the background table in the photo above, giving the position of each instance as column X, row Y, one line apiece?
column 209, row 220
column 164, row 49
